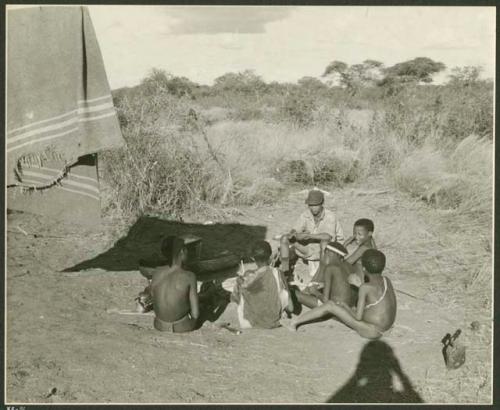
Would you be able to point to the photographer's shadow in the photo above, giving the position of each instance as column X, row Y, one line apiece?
column 377, row 379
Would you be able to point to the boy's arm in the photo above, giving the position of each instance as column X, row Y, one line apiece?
column 327, row 289
column 319, row 237
column 287, row 288
column 193, row 298
column 361, row 302
column 349, row 240
column 356, row 255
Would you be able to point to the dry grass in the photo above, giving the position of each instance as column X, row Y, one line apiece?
column 460, row 187
column 254, row 150
column 444, row 258
column 462, row 179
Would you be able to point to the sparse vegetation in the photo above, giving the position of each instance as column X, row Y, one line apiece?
column 192, row 148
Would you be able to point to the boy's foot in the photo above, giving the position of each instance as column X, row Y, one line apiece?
column 227, row 326
column 313, row 288
column 289, row 324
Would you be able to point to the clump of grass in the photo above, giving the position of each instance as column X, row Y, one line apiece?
column 215, row 114
column 261, row 192
column 462, row 181
column 473, row 158
column 338, row 166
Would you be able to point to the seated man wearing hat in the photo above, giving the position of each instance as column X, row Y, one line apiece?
column 315, row 227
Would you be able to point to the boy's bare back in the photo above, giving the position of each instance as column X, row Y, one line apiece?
column 380, row 306
column 171, row 288
column 340, row 290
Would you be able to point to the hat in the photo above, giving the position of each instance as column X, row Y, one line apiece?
column 315, row 197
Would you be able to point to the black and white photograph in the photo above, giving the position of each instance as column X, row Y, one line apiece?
column 249, row 204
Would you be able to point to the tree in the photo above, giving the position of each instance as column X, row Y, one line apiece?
column 356, row 76
column 465, row 76
column 338, row 67
column 246, row 82
column 155, row 81
column 161, row 80
column 312, row 85
column 420, row 69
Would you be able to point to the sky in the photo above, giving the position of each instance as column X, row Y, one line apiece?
column 283, row 43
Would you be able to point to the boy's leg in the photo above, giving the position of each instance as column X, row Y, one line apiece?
column 364, row 329
column 285, row 253
column 310, row 301
column 288, row 255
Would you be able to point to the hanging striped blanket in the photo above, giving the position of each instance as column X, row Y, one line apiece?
column 75, row 198
column 59, row 107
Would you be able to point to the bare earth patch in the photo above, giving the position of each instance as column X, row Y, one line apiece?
column 62, row 345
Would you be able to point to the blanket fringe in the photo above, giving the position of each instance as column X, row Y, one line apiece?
column 37, row 160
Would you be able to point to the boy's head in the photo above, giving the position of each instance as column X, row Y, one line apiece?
column 334, row 250
column 373, row 261
column 315, row 200
column 173, row 248
column 363, row 230
column 261, row 252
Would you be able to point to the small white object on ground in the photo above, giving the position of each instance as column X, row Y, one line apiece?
column 22, row 230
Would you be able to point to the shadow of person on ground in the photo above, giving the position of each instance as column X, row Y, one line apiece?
column 143, row 241
column 374, row 379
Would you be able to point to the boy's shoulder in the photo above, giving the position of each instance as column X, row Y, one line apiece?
column 371, row 285
column 186, row 273
column 366, row 286
column 174, row 272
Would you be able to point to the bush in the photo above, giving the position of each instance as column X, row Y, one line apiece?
column 156, row 173
column 298, row 109
column 162, row 168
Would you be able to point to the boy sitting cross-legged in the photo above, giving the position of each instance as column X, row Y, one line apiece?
column 376, row 308
column 173, row 290
column 336, row 286
column 261, row 295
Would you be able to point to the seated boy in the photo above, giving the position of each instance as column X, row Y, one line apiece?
column 174, row 290
column 336, row 286
column 363, row 239
column 262, row 294
column 376, row 308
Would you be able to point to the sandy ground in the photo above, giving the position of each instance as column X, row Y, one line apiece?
column 62, row 345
